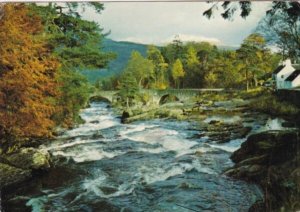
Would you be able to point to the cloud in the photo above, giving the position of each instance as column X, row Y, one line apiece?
column 159, row 22
column 196, row 38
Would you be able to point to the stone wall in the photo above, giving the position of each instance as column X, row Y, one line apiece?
column 292, row 96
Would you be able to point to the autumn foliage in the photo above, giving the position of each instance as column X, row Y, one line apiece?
column 28, row 84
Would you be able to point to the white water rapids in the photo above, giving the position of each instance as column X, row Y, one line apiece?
column 144, row 166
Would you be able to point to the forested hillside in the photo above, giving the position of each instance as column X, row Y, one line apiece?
column 123, row 51
column 198, row 65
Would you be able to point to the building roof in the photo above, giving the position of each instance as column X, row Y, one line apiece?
column 278, row 69
column 296, row 66
column 293, row 75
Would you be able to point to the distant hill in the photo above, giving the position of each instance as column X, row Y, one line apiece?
column 123, row 50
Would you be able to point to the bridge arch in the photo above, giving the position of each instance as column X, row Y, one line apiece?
column 99, row 98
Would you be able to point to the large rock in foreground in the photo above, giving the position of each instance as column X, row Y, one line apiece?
column 271, row 159
column 17, row 167
column 10, row 175
column 29, row 158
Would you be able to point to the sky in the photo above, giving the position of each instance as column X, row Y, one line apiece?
column 158, row 22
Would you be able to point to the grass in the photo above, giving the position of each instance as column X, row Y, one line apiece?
column 268, row 103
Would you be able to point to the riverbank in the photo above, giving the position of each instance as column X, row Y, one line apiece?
column 262, row 155
column 183, row 141
column 154, row 165
column 197, row 107
column 271, row 159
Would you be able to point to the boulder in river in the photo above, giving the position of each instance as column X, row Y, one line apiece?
column 221, row 132
column 168, row 98
column 11, row 175
column 271, row 159
column 29, row 158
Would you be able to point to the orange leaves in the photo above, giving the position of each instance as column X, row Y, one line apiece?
column 27, row 75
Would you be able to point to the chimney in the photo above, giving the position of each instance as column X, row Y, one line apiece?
column 287, row 62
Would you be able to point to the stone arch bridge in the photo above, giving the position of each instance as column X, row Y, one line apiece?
column 181, row 94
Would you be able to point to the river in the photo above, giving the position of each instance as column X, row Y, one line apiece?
column 155, row 165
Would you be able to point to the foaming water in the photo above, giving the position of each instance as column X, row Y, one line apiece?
column 274, row 124
column 86, row 154
column 231, row 146
column 170, row 140
column 142, row 166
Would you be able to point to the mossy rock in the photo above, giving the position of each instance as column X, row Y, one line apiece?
column 29, row 158
column 168, row 98
column 10, row 175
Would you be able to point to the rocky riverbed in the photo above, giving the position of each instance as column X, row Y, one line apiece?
column 175, row 157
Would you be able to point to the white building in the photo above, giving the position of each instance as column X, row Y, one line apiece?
column 286, row 76
column 293, row 80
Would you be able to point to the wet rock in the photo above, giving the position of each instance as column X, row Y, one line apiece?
column 258, row 206
column 149, row 189
column 271, row 160
column 283, row 145
column 17, row 203
column 220, row 132
column 215, row 122
column 288, row 124
column 184, row 185
column 199, row 153
column 108, row 190
column 95, row 122
column 10, row 175
column 29, row 158
column 100, row 205
column 125, row 115
column 185, row 159
column 97, row 136
column 168, row 98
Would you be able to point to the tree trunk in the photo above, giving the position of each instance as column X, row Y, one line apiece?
column 127, row 102
column 255, row 80
column 247, row 80
column 140, row 82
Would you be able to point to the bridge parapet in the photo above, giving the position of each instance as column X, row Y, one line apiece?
column 181, row 94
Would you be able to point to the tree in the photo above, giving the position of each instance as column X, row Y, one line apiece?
column 177, row 72
column 281, row 26
column 252, row 54
column 282, row 31
column 28, row 75
column 173, row 51
column 76, row 43
column 191, row 66
column 160, row 67
column 290, row 8
column 75, row 92
column 128, row 88
column 141, row 68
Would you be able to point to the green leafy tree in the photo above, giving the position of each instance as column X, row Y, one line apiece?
column 173, row 51
column 128, row 89
column 141, row 68
column 160, row 67
column 280, row 26
column 191, row 66
column 252, row 54
column 75, row 91
column 76, row 43
column 177, row 72
column 282, row 31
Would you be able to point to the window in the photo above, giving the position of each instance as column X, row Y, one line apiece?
column 282, row 76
